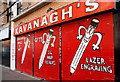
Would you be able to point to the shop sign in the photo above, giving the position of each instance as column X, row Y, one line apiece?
column 46, row 53
column 88, row 49
column 24, row 54
column 69, row 12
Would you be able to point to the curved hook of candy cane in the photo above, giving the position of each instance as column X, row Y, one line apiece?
column 52, row 44
column 96, row 46
column 43, row 37
column 79, row 37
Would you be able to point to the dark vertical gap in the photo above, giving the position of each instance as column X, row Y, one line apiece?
column 33, row 54
column 2, row 52
column 60, row 69
column 116, row 22
column 8, row 15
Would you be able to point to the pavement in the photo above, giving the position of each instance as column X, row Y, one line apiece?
column 7, row 75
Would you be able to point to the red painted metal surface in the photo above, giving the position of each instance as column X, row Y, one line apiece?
column 50, row 67
column 27, row 65
column 74, row 10
column 94, row 64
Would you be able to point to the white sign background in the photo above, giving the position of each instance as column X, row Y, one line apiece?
column 4, row 33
